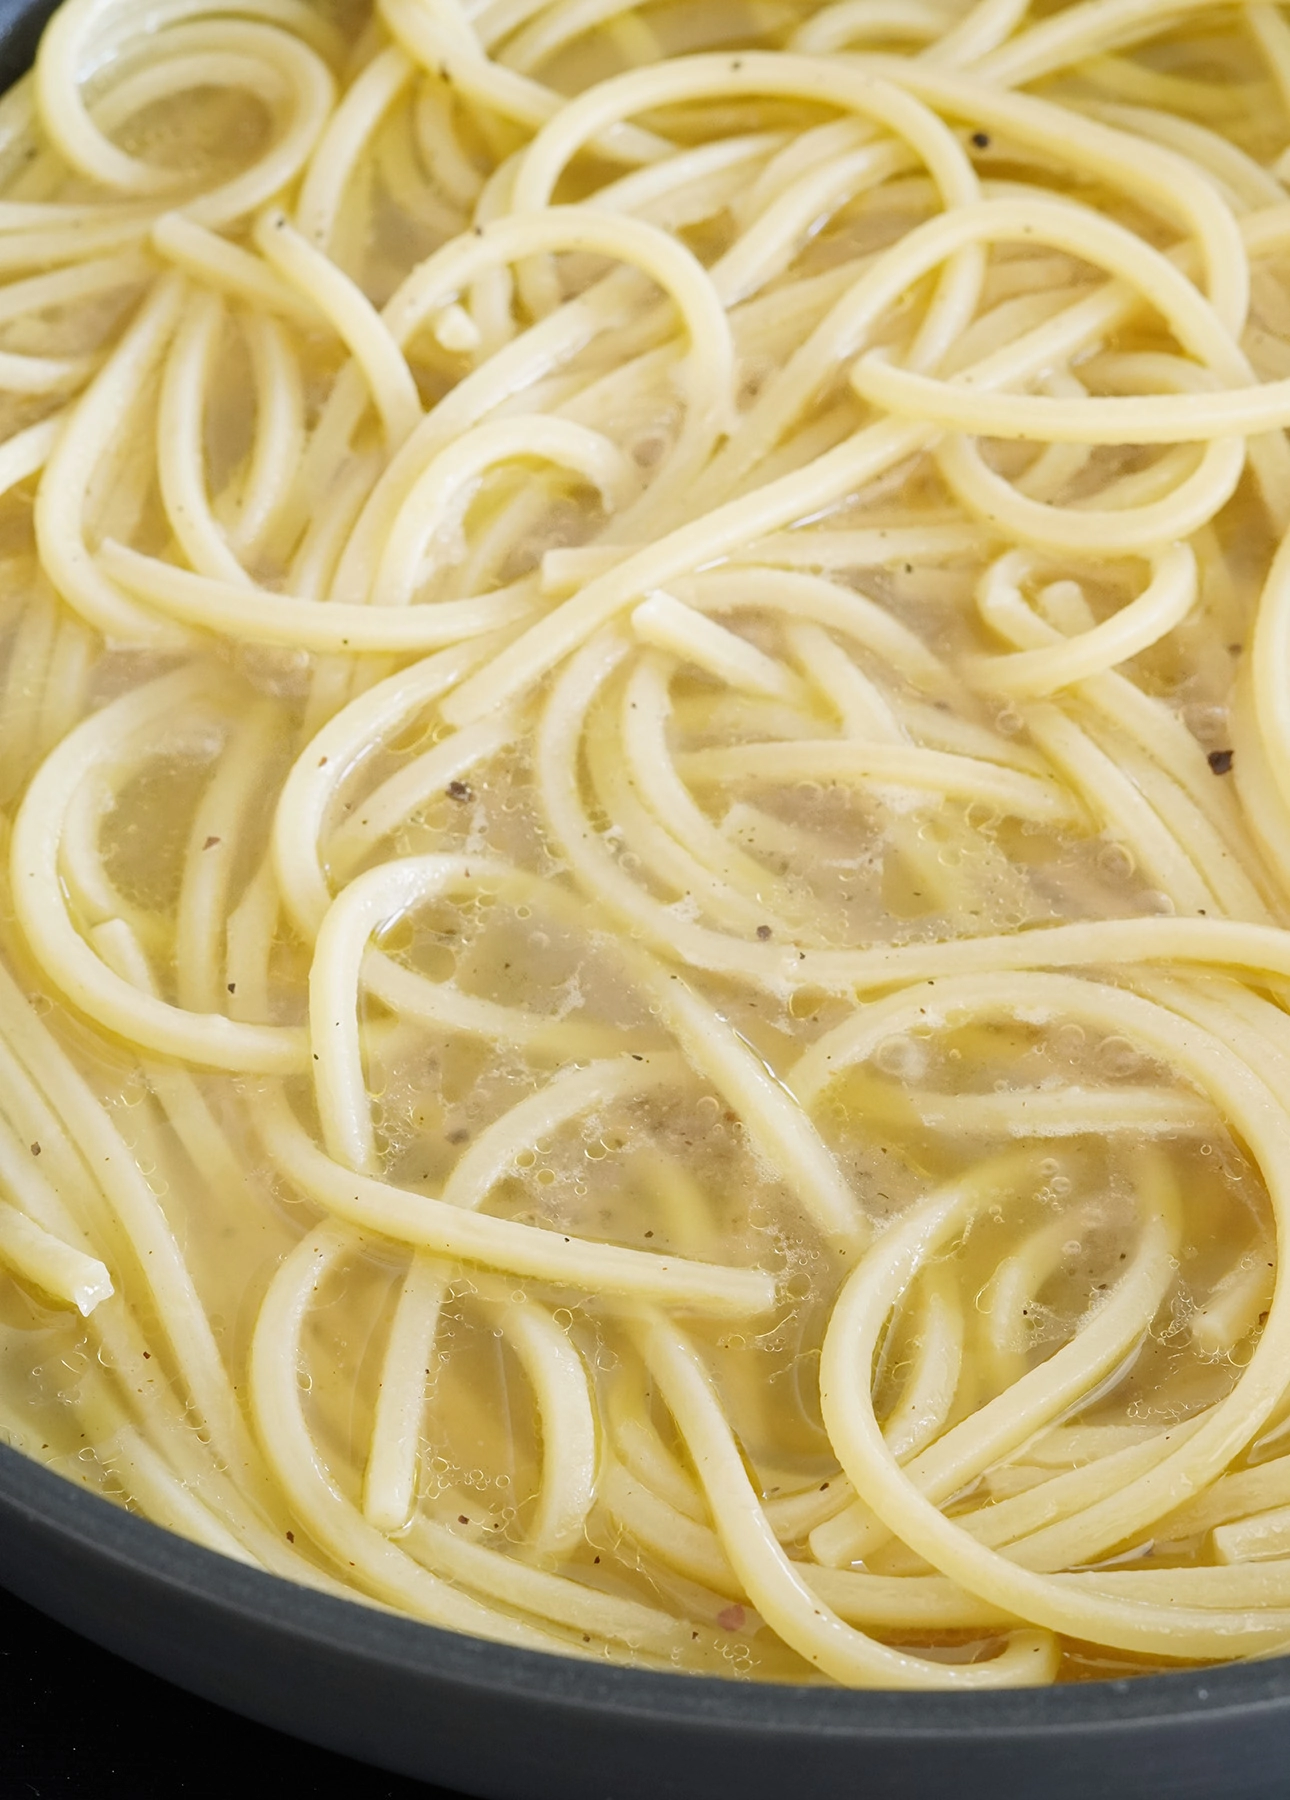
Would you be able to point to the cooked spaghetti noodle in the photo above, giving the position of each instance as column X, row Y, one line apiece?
column 645, row 764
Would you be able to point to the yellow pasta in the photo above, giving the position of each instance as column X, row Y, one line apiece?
column 645, row 795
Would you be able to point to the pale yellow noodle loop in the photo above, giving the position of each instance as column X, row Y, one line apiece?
column 315, row 775
column 356, row 321
column 1134, row 528
column 344, row 140
column 58, row 75
column 436, row 502
column 389, row 1478
column 755, row 73
column 1041, row 1394
column 1164, row 603
column 384, row 1568
column 70, row 467
column 772, row 1582
column 564, row 1401
column 1155, row 176
column 204, row 1038
column 1262, row 1122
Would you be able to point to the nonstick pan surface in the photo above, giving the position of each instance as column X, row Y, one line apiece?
column 517, row 1725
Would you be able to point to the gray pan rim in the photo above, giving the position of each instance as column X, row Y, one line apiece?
column 37, row 1499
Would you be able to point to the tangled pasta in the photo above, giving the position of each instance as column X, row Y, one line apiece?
column 645, row 774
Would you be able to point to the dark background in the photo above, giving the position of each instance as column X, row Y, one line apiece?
column 77, row 1722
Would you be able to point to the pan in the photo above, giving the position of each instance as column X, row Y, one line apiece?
column 508, row 1724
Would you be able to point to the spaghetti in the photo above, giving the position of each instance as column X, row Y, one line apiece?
column 645, row 778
